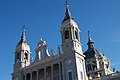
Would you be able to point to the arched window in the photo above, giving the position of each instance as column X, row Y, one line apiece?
column 26, row 56
column 76, row 34
column 89, row 67
column 18, row 56
column 66, row 34
column 94, row 67
column 100, row 65
column 70, row 75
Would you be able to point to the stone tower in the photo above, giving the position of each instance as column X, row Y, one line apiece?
column 22, row 57
column 73, row 61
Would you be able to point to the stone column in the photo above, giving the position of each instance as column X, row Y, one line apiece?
column 91, row 67
column 37, row 74
column 63, row 68
column 25, row 77
column 31, row 76
column 84, row 69
column 52, row 72
column 44, row 73
column 59, row 71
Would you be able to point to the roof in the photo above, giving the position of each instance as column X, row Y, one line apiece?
column 67, row 14
column 91, row 53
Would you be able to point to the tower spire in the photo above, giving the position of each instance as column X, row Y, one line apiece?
column 90, row 41
column 89, row 37
column 22, row 53
column 67, row 13
column 23, row 37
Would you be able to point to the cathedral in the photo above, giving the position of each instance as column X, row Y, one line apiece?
column 70, row 63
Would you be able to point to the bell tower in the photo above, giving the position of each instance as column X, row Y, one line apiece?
column 22, row 57
column 70, row 34
column 22, row 53
column 74, row 63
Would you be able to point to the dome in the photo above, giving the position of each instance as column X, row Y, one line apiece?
column 91, row 53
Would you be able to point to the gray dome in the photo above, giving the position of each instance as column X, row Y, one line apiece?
column 91, row 53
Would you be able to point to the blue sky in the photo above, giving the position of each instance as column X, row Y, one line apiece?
column 43, row 19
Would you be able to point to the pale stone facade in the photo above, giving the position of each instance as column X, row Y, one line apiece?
column 68, row 64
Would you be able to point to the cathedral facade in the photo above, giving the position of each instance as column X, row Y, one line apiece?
column 70, row 63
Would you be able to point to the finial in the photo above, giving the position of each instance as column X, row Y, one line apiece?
column 23, row 29
column 66, row 3
column 88, row 34
column 23, row 37
column 90, row 42
column 67, row 13
column 89, row 37
column 67, row 10
column 41, row 39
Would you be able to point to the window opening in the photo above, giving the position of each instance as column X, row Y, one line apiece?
column 70, row 75
column 18, row 56
column 66, row 34
column 76, row 35
column 26, row 56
